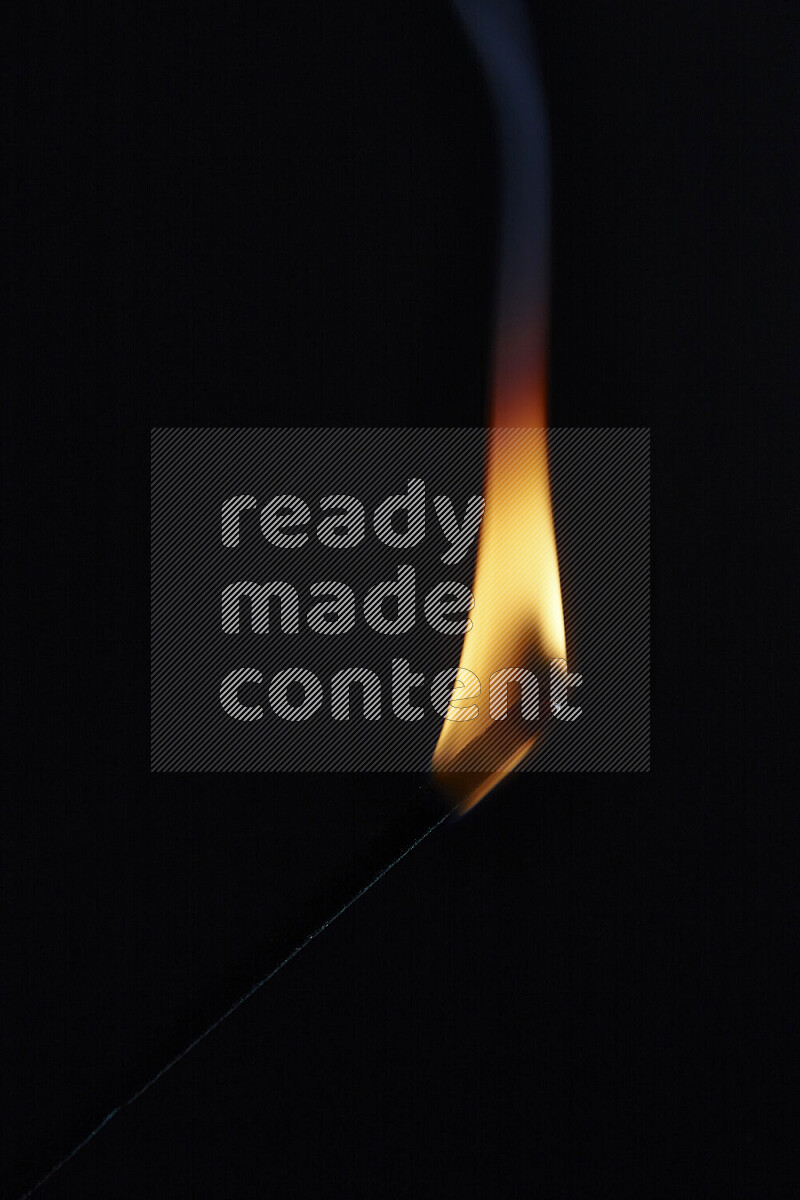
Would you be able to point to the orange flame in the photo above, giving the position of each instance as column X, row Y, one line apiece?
column 517, row 619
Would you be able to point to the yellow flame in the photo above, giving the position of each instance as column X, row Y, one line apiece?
column 518, row 618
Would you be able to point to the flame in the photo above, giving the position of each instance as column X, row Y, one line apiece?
column 517, row 619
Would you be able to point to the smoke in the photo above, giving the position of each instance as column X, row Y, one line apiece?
column 501, row 36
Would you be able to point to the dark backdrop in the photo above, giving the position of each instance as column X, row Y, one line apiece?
column 285, row 215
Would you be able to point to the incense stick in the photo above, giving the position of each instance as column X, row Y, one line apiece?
column 426, row 815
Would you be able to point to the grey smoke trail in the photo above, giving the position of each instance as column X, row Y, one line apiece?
column 500, row 33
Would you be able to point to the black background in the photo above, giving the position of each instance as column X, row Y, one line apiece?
column 234, row 215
